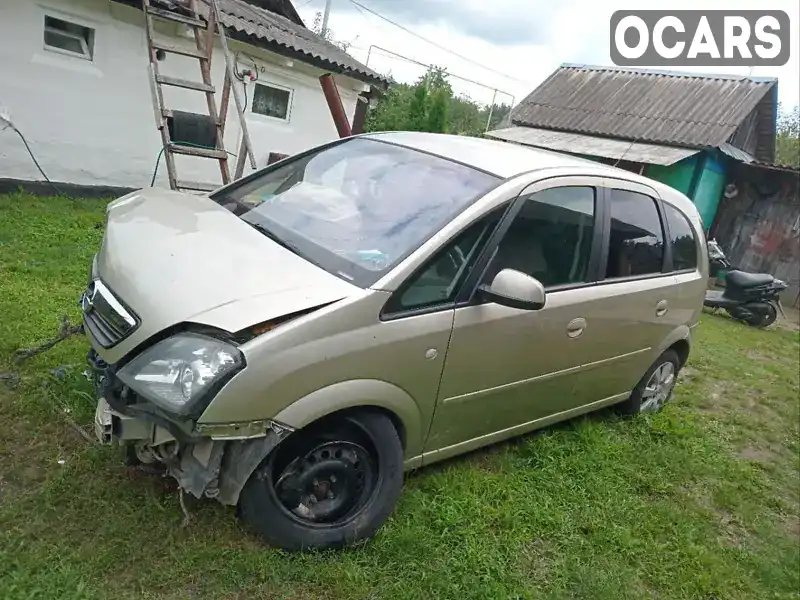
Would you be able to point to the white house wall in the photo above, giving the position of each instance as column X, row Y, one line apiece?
column 92, row 122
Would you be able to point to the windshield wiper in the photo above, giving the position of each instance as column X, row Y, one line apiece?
column 282, row 242
column 275, row 238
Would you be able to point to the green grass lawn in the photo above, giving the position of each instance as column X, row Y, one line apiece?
column 698, row 502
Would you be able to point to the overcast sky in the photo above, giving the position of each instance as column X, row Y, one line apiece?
column 523, row 39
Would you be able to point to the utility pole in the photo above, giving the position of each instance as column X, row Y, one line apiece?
column 325, row 16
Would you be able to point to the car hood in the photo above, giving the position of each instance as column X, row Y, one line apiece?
column 175, row 258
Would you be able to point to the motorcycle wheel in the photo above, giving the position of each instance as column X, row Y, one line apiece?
column 764, row 319
column 765, row 316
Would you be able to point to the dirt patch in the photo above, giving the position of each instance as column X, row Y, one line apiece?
column 687, row 374
column 792, row 320
column 486, row 459
column 761, row 357
column 733, row 533
column 720, row 397
column 30, row 451
column 762, row 455
column 792, row 525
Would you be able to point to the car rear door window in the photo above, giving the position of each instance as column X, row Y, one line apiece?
column 682, row 239
column 550, row 238
column 636, row 242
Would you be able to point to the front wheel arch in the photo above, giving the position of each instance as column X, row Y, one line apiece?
column 360, row 394
column 339, row 509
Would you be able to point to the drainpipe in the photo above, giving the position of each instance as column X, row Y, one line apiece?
column 361, row 113
column 335, row 105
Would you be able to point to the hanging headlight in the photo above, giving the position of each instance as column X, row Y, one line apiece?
column 178, row 371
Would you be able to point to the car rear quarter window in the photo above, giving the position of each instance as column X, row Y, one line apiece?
column 682, row 239
column 636, row 242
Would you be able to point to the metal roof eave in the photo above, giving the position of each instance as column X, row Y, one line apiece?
column 589, row 145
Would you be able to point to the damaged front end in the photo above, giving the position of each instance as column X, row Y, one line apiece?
column 207, row 460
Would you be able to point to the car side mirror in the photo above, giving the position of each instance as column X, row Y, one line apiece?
column 516, row 290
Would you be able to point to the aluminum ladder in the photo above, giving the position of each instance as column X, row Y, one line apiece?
column 204, row 26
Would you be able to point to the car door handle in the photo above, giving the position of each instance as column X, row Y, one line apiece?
column 576, row 327
column 662, row 308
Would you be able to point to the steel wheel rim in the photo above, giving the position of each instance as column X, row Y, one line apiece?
column 328, row 485
column 658, row 388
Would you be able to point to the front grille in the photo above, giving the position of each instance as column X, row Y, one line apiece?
column 106, row 319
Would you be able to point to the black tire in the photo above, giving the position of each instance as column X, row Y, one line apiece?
column 762, row 320
column 636, row 402
column 271, row 517
column 748, row 316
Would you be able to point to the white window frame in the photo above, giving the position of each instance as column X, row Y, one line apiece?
column 276, row 86
column 87, row 54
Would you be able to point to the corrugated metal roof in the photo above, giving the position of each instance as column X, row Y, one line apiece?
column 749, row 159
column 652, row 106
column 737, row 153
column 277, row 29
column 579, row 143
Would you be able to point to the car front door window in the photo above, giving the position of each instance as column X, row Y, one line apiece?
column 550, row 238
column 438, row 282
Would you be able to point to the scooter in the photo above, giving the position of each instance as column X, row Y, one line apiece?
column 717, row 261
column 752, row 298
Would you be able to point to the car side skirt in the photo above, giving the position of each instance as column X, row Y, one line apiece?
column 449, row 451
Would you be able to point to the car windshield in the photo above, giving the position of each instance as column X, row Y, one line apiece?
column 359, row 207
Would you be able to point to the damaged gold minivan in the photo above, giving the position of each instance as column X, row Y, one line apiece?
column 294, row 341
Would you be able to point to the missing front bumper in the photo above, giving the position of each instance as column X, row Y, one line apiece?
column 211, row 460
column 111, row 426
column 212, row 468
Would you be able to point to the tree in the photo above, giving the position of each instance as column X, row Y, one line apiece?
column 465, row 116
column 436, row 119
column 431, row 105
column 499, row 113
column 419, row 107
column 787, row 140
column 316, row 27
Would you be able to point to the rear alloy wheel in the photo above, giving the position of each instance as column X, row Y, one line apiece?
column 332, row 484
column 655, row 388
column 658, row 388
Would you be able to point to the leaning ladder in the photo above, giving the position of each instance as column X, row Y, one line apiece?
column 204, row 28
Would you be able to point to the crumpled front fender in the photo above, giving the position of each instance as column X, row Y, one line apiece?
column 219, row 469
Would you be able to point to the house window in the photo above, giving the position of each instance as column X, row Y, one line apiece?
column 68, row 38
column 272, row 101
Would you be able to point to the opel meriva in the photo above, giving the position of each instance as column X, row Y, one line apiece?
column 294, row 341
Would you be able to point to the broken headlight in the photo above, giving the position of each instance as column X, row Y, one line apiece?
column 179, row 371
